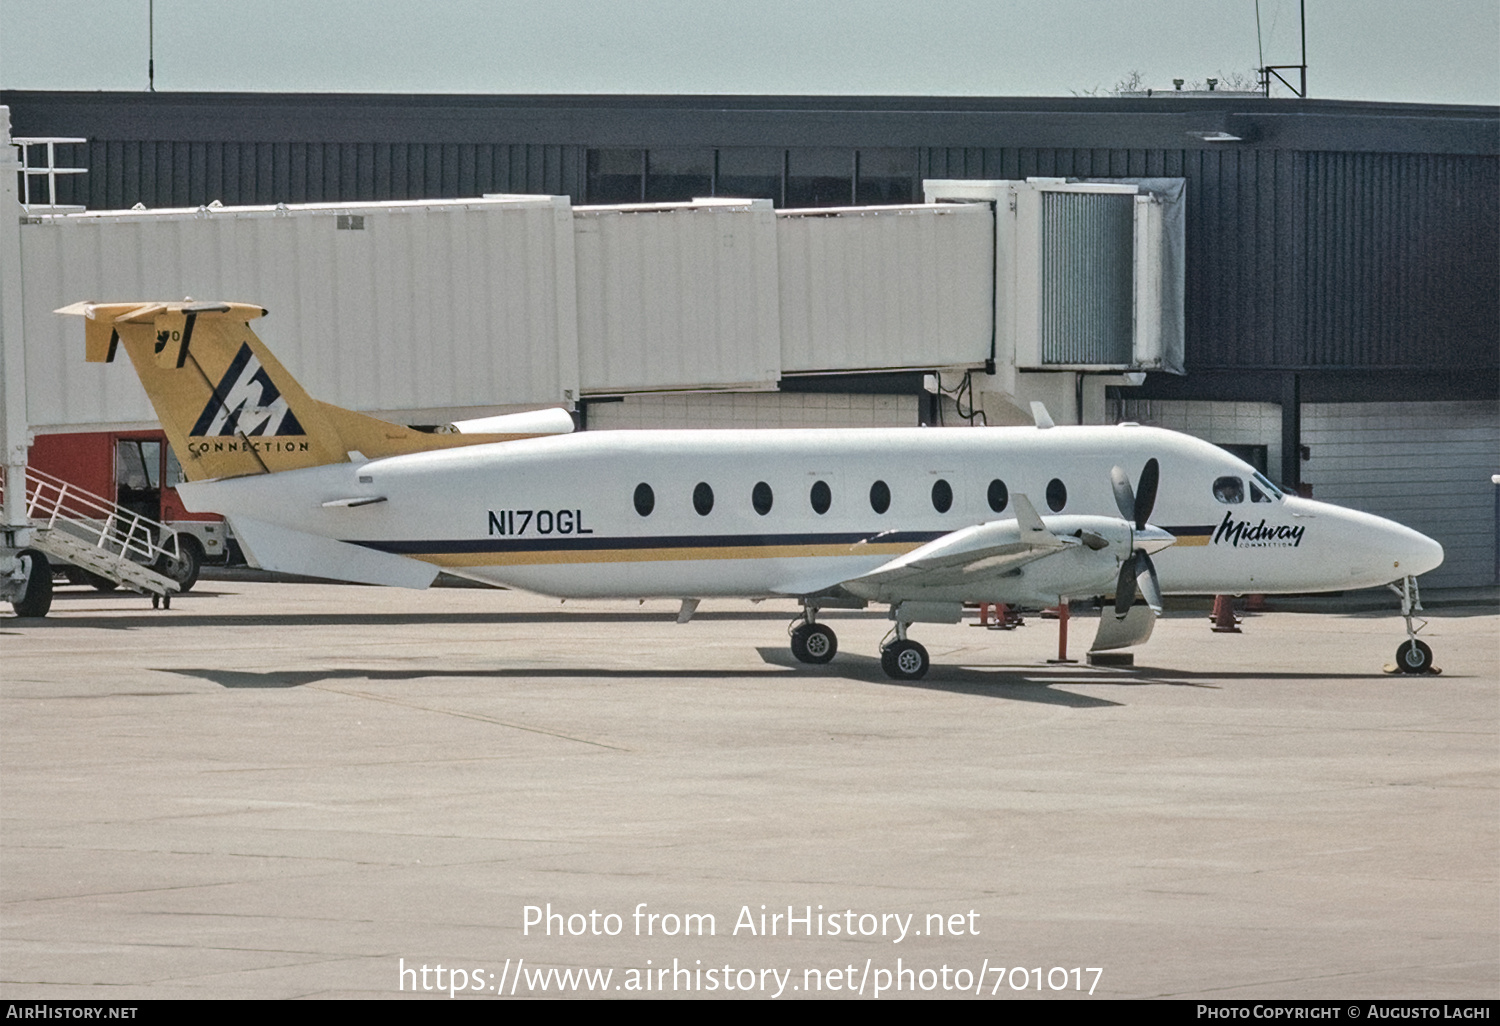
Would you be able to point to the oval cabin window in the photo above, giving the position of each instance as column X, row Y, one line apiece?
column 703, row 499
column 760, row 498
column 645, row 499
column 942, row 496
column 880, row 496
column 821, row 497
column 1057, row 495
column 999, row 495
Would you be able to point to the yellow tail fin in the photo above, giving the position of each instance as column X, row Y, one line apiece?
column 227, row 405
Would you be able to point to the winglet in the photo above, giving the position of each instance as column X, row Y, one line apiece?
column 1041, row 416
column 1030, row 522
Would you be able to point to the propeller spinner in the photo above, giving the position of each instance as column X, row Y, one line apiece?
column 1137, row 572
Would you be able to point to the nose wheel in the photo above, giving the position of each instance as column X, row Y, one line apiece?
column 1413, row 656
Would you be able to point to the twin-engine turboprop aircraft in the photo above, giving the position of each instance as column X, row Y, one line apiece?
column 922, row 520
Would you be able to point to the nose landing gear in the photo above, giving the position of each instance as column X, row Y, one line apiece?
column 1413, row 656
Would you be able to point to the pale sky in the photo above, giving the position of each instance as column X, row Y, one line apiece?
column 1436, row 51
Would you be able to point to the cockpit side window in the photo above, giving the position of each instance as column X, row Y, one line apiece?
column 1229, row 489
column 1262, row 490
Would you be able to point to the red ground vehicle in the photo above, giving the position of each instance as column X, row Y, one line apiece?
column 138, row 470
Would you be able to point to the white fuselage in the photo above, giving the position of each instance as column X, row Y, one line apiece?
column 559, row 515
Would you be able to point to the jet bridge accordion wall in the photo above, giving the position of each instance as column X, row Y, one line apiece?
column 435, row 307
column 437, row 310
column 1087, row 278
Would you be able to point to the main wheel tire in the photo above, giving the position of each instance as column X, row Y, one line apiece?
column 1414, row 657
column 185, row 567
column 37, row 598
column 814, row 643
column 905, row 660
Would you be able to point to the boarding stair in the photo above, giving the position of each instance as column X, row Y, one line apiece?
column 74, row 526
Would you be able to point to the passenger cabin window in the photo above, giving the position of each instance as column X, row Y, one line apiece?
column 999, row 495
column 942, row 496
column 1229, row 489
column 760, row 498
column 1057, row 495
column 645, row 499
column 703, row 499
column 880, row 496
column 821, row 497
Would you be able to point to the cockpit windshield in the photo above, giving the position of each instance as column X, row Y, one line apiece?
column 1262, row 490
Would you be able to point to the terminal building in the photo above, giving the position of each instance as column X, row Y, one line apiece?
column 1309, row 283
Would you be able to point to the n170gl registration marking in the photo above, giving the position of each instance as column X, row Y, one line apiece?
column 513, row 522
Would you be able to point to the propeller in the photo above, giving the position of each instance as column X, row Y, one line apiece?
column 1137, row 572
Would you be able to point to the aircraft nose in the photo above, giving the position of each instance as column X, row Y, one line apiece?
column 1416, row 553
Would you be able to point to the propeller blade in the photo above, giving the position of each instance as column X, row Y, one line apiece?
column 1150, row 585
column 1145, row 498
column 1125, row 587
column 1124, row 497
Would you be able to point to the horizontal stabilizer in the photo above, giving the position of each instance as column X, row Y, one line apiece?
column 551, row 421
column 296, row 552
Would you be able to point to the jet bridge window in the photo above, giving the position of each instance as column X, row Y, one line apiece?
column 1057, row 495
column 645, row 499
column 1229, row 489
column 942, row 496
column 760, row 498
column 880, row 496
column 821, row 497
column 999, row 495
column 703, row 499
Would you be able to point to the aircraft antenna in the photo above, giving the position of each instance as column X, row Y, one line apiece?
column 151, row 46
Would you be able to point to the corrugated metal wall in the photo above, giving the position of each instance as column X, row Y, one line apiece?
column 1426, row 465
column 123, row 172
column 453, row 305
column 1295, row 258
column 893, row 288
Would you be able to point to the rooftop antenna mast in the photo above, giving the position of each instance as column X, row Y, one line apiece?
column 1267, row 71
column 151, row 46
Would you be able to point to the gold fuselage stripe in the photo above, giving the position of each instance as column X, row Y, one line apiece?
column 555, row 556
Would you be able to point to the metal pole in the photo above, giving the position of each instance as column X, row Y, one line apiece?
column 13, row 424
column 1303, row 8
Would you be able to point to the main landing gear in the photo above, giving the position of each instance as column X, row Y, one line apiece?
column 900, row 657
column 1413, row 656
column 813, row 642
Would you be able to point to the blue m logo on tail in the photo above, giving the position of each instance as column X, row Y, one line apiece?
column 246, row 402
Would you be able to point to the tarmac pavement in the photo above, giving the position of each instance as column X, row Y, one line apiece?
column 307, row 790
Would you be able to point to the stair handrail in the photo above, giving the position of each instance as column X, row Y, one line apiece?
column 96, row 519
